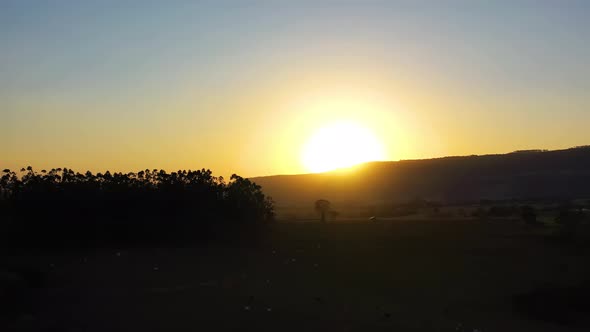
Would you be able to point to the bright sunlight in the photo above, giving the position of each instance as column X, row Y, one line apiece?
column 340, row 145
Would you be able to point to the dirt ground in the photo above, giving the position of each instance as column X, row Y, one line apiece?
column 419, row 275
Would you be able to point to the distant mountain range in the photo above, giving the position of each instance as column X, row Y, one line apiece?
column 531, row 174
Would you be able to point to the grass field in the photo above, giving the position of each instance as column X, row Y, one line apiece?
column 419, row 275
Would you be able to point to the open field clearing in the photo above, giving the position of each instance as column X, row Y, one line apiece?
column 429, row 275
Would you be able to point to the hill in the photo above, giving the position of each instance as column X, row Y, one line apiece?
column 531, row 174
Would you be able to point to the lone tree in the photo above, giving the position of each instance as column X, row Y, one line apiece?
column 322, row 206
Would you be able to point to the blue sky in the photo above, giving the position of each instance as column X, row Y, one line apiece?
column 102, row 79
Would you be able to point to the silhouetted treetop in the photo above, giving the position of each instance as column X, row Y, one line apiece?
column 152, row 200
column 322, row 206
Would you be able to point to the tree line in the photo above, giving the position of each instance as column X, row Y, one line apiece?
column 64, row 206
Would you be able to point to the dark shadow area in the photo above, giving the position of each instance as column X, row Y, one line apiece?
column 66, row 213
column 186, row 250
column 556, row 304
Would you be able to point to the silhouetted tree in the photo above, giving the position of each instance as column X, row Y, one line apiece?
column 247, row 200
column 322, row 206
column 62, row 205
column 333, row 214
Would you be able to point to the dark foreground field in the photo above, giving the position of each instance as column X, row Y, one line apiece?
column 399, row 276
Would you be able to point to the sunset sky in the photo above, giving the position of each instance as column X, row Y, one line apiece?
column 242, row 86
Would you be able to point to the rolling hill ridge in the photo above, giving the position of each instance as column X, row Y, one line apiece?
column 531, row 174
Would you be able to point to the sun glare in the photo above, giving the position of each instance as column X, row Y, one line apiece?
column 340, row 145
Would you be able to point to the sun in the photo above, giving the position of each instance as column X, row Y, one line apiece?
column 340, row 145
